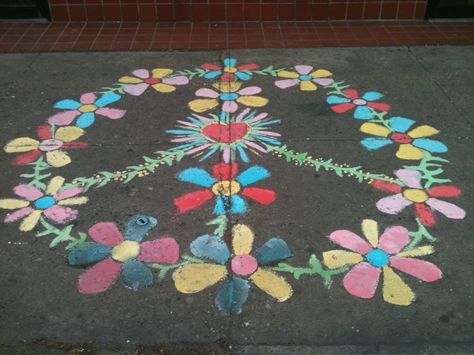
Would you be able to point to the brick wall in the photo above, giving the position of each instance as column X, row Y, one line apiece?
column 236, row 10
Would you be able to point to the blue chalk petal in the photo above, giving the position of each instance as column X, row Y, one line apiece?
column 400, row 124
column 88, row 253
column 243, row 76
column 220, row 207
column 238, row 205
column 243, row 154
column 253, row 175
column 213, row 74
column 333, row 100
column 373, row 143
column 273, row 251
column 211, row 248
column 363, row 113
column 372, row 96
column 107, row 99
column 139, row 226
column 67, row 104
column 85, row 120
column 232, row 296
column 136, row 275
column 430, row 145
column 230, row 62
column 197, row 176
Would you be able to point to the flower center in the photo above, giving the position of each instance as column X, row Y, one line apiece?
column 231, row 96
column 415, row 195
column 305, row 78
column 45, row 202
column 88, row 108
column 126, row 250
column 50, row 144
column 359, row 102
column 152, row 81
column 401, row 138
column 226, row 188
column 244, row 265
column 230, row 70
column 377, row 258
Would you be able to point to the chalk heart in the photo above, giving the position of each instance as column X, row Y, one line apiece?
column 226, row 133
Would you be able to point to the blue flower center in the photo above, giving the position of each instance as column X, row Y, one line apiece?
column 305, row 78
column 377, row 258
column 229, row 97
column 45, row 202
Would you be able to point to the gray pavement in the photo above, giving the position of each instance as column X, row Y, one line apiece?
column 41, row 310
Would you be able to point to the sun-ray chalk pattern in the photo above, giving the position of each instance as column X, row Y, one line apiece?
column 231, row 124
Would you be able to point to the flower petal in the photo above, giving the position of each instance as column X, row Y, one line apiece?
column 161, row 72
column 100, row 277
column 68, row 193
column 176, row 80
column 363, row 113
column 106, row 233
column 227, row 87
column 139, row 226
column 18, row 214
column 85, row 120
column 252, row 101
column 165, row 88
column 371, row 231
column 225, row 172
column 372, row 143
column 372, row 96
column 335, row 259
column 73, row 201
column 379, row 106
column 210, row 248
column 141, row 73
column 192, row 200
column 253, row 175
column 57, row 158
column 112, row 113
column 68, row 134
column 136, row 90
column 375, row 129
column 400, row 124
column 27, row 158
column 130, row 80
column 63, row 118
column 393, row 204
column 386, row 186
column 303, row 69
column 242, row 239
column 243, row 76
column 13, row 203
column 222, row 205
column 262, row 196
column 250, row 90
column 308, row 86
column 88, row 253
column 273, row 251
column 67, row 104
column 425, row 214
column 419, row 251
column 192, row 278
column 410, row 178
column 202, row 105
column 286, row 83
column 423, row 131
column 288, row 74
column 22, row 144
column 88, row 98
column 136, row 275
column 362, row 280
column 107, row 99
column 163, row 251
column 197, row 176
column 54, row 185
column 395, row 290
column 273, row 284
column 232, row 296
column 30, row 222
column 448, row 209
column 230, row 106
column 420, row 269
column 61, row 214
column 430, row 145
column 336, row 100
column 394, row 239
column 29, row 193
column 351, row 241
column 445, row 191
column 204, row 92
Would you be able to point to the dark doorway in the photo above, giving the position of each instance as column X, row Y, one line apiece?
column 24, row 10
column 450, row 8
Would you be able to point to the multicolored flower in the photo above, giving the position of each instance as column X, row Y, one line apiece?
column 424, row 200
column 51, row 203
column 159, row 79
column 230, row 72
column 305, row 76
column 192, row 278
column 51, row 144
column 364, row 105
column 412, row 144
column 114, row 255
column 226, row 186
column 229, row 135
column 86, row 109
column 229, row 95
column 380, row 256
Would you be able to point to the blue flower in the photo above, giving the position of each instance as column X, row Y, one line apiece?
column 364, row 106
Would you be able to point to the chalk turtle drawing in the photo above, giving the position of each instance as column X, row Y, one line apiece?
column 225, row 124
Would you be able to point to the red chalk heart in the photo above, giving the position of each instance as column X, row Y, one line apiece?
column 226, row 133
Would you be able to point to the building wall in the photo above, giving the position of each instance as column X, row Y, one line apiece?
column 236, row 10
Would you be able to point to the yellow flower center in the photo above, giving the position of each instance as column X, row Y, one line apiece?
column 226, row 188
column 230, row 70
column 415, row 195
column 88, row 108
column 125, row 251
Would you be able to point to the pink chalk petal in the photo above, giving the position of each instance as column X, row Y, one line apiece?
column 226, row 154
column 251, row 90
column 177, row 80
column 420, row 269
column 161, row 251
column 303, row 69
column 324, row 81
column 362, row 280
column 198, row 149
column 63, row 118
column 286, row 83
column 256, row 146
column 68, row 193
column 394, row 239
column 88, row 98
column 259, row 117
column 207, row 93
column 141, row 73
column 61, row 214
column 410, row 178
column 393, row 204
column 29, row 193
column 19, row 214
column 350, row 241
column 229, row 106
column 136, row 89
column 446, row 208
column 100, row 277
column 106, row 233
column 112, row 113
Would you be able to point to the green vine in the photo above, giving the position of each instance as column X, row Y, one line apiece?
column 337, row 88
column 164, row 268
column 221, row 222
column 430, row 167
column 380, row 118
column 61, row 235
column 38, row 175
column 118, row 88
column 198, row 72
column 420, row 235
column 266, row 71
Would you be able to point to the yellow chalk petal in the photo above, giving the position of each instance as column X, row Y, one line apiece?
column 423, row 131
column 201, row 105
column 126, row 250
column 288, row 74
column 335, row 259
column 371, row 231
column 164, row 87
column 160, row 72
column 420, row 251
column 22, row 144
column 242, row 239
column 273, row 284
column 375, row 129
column 130, row 80
column 68, row 134
column 227, row 86
column 193, row 278
column 57, row 158
column 252, row 101
column 54, row 185
column 320, row 73
column 73, row 201
column 13, row 203
column 409, row 152
column 308, row 86
column 395, row 290
column 30, row 221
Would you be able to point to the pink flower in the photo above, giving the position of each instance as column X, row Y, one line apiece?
column 159, row 79
column 305, row 76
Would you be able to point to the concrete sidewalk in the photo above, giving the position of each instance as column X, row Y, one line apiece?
column 239, row 213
